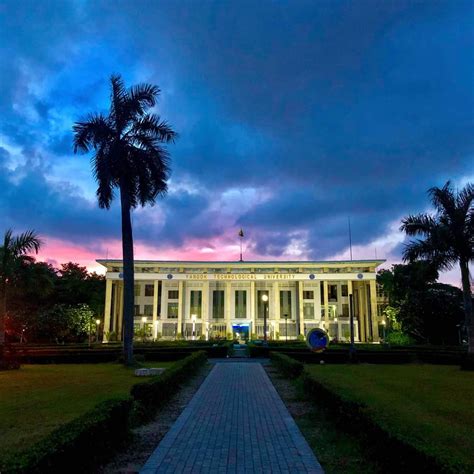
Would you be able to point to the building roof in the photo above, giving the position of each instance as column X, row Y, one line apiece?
column 375, row 262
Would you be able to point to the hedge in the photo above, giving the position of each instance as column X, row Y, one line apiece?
column 151, row 395
column 89, row 440
column 80, row 445
column 398, row 454
column 289, row 367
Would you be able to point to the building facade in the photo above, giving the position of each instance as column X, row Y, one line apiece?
column 207, row 300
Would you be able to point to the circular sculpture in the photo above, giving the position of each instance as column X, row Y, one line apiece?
column 360, row 276
column 169, row 276
column 311, row 277
column 317, row 340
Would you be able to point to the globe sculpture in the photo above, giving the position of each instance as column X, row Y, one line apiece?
column 317, row 340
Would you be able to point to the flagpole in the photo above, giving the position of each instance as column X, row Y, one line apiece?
column 241, row 235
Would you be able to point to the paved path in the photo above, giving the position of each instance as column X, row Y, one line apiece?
column 235, row 423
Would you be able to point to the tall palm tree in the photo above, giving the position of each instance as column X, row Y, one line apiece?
column 13, row 253
column 448, row 239
column 129, row 157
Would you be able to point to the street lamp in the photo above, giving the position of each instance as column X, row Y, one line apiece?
column 383, row 329
column 144, row 328
column 337, row 329
column 265, row 309
column 193, row 319
column 97, row 323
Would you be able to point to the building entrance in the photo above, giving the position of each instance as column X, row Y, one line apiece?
column 241, row 332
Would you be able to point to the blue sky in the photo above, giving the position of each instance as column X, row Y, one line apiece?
column 292, row 116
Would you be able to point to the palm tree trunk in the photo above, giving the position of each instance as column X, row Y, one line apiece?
column 466, row 291
column 128, row 277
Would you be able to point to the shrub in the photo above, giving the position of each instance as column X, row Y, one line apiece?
column 151, row 395
column 289, row 367
column 398, row 338
column 79, row 446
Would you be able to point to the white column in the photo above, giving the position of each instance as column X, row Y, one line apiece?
column 155, row 309
column 326, row 306
column 253, row 317
column 205, row 317
column 107, row 309
column 227, row 306
column 300, row 308
column 373, row 310
column 276, row 308
column 180, row 307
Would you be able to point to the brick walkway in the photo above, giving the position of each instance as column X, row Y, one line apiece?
column 235, row 423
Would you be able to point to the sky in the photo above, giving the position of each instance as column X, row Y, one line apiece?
column 292, row 117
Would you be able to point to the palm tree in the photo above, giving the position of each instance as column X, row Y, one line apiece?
column 129, row 156
column 448, row 239
column 13, row 253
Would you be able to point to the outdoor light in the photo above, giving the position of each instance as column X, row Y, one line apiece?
column 97, row 321
column 144, row 319
column 264, row 298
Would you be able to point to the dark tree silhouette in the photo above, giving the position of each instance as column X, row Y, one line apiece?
column 13, row 253
column 447, row 239
column 129, row 157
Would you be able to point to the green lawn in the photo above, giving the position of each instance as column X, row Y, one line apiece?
column 38, row 398
column 431, row 407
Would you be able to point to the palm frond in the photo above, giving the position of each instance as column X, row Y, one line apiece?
column 443, row 199
column 465, row 198
column 152, row 126
column 91, row 133
column 105, row 178
column 419, row 224
column 118, row 98
column 141, row 97
column 26, row 242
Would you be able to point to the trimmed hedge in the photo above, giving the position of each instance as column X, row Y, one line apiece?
column 397, row 454
column 151, row 395
column 89, row 440
column 80, row 445
column 289, row 367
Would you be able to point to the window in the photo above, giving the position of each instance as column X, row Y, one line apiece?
column 149, row 290
column 148, row 310
column 345, row 310
column 308, row 310
column 218, row 304
column 308, row 295
column 195, row 302
column 137, row 290
column 173, row 294
column 240, row 304
column 261, row 304
column 285, row 303
column 344, row 290
column 136, row 310
column 332, row 292
column 173, row 310
column 322, row 293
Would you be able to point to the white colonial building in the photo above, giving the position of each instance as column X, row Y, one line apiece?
column 229, row 299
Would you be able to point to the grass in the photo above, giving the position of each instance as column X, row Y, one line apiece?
column 38, row 398
column 430, row 407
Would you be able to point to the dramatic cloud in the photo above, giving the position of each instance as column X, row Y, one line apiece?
column 292, row 117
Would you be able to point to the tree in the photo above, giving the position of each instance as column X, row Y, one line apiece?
column 13, row 253
column 447, row 239
column 129, row 156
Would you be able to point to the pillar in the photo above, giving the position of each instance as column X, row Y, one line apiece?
column 180, row 307
column 299, row 288
column 362, row 312
column 373, row 310
column 107, row 309
column 227, row 306
column 118, row 327
column 253, row 303
column 155, row 309
column 326, row 305
column 205, row 317
column 276, row 307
